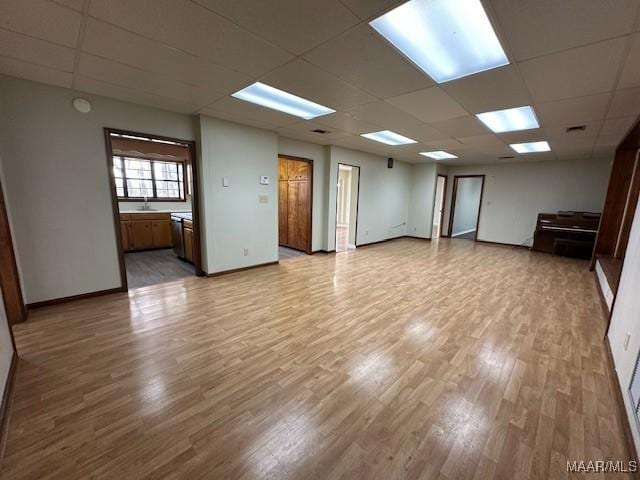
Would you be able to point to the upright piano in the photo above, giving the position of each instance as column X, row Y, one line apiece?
column 566, row 233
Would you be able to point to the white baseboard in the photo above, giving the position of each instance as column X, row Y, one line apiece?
column 463, row 232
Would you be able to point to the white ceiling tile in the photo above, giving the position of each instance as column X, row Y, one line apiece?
column 346, row 122
column 75, row 4
column 423, row 133
column 573, row 111
column 41, row 19
column 364, row 59
column 308, row 81
column 573, row 152
column 625, row 103
column 604, row 152
column 385, row 115
column 466, row 126
column 489, row 144
column 573, row 73
column 36, row 51
column 306, row 128
column 296, row 25
column 238, row 118
column 557, row 134
column 119, row 74
column 523, row 136
column 540, row 27
column 447, row 144
column 630, row 76
column 244, row 110
column 37, row 73
column 109, row 41
column 429, row 105
column 495, row 89
column 618, row 126
column 97, row 87
column 367, row 9
column 193, row 28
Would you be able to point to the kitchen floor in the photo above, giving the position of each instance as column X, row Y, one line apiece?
column 155, row 266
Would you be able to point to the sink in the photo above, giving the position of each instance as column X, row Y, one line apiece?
column 146, row 209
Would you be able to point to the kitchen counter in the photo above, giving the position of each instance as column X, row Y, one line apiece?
column 182, row 215
column 155, row 211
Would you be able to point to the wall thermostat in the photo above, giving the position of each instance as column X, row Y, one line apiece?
column 264, row 180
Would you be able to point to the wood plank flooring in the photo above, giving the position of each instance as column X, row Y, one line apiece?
column 408, row 359
column 155, row 266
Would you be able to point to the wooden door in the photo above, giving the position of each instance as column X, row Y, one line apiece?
column 9, row 279
column 304, row 214
column 125, row 234
column 141, row 234
column 292, row 214
column 161, row 233
column 283, row 201
column 282, row 169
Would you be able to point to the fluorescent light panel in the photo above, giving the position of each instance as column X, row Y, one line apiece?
column 270, row 97
column 388, row 137
column 531, row 147
column 510, row 120
column 438, row 155
column 447, row 39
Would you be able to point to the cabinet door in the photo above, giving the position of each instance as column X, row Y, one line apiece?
column 292, row 214
column 188, row 244
column 161, row 233
column 125, row 235
column 303, row 205
column 141, row 235
column 283, row 199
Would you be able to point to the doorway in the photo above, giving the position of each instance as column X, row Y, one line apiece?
column 154, row 194
column 466, row 201
column 14, row 305
column 348, row 192
column 295, row 206
column 438, row 206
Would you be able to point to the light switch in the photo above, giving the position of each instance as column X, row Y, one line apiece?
column 225, row 182
column 264, row 180
column 264, row 199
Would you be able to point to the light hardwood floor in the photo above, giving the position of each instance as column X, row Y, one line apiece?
column 407, row 359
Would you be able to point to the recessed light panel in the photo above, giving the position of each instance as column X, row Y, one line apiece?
column 447, row 39
column 388, row 137
column 510, row 120
column 438, row 155
column 276, row 99
column 531, row 147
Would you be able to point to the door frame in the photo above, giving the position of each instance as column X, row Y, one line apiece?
column 444, row 203
column 453, row 203
column 335, row 223
column 195, row 198
column 15, row 308
column 309, row 247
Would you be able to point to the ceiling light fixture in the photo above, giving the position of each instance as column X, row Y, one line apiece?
column 444, row 38
column 510, row 120
column 531, row 147
column 388, row 137
column 438, row 155
column 270, row 97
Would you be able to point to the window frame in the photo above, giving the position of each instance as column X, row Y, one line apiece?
column 155, row 197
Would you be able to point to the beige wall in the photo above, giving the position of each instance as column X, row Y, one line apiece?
column 420, row 218
column 384, row 196
column 57, row 183
column 319, row 155
column 514, row 194
column 234, row 217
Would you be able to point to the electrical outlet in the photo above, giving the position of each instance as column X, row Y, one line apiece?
column 627, row 337
column 246, row 252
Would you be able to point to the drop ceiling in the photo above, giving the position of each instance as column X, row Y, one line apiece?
column 577, row 62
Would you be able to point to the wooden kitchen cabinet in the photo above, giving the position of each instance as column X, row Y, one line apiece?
column 187, row 233
column 142, row 231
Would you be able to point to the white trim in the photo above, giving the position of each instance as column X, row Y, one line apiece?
column 463, row 232
column 604, row 285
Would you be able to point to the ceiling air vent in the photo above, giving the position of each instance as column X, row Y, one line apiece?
column 320, row 131
column 506, row 157
column 576, row 128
